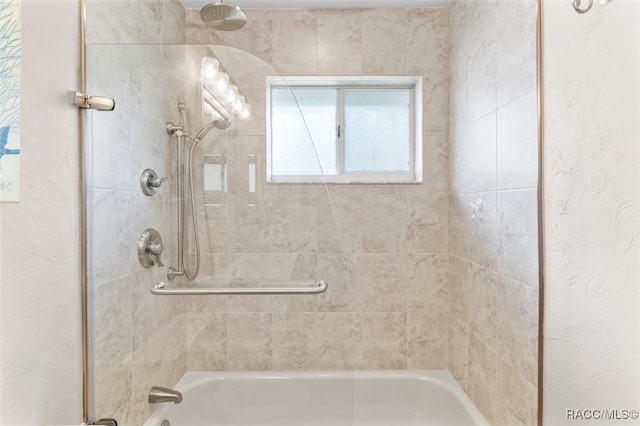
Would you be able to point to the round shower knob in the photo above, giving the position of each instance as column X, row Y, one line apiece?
column 150, row 182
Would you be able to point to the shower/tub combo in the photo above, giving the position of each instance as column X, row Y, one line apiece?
column 309, row 299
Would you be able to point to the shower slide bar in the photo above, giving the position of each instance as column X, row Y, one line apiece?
column 161, row 290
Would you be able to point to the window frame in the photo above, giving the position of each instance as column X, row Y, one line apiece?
column 343, row 84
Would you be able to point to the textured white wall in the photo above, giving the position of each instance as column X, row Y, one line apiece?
column 592, row 176
column 39, row 248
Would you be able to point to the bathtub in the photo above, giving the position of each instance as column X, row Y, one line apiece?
column 363, row 398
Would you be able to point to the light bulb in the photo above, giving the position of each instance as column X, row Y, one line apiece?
column 245, row 113
column 231, row 95
column 220, row 83
column 238, row 104
column 208, row 69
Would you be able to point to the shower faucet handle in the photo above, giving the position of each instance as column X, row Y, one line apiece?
column 156, row 182
column 150, row 248
column 150, row 182
column 155, row 249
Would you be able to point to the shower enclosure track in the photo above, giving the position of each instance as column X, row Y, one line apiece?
column 161, row 290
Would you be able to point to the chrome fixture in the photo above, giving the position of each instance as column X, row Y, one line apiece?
column 216, row 124
column 159, row 394
column 223, row 17
column 100, row 103
column 181, row 131
column 161, row 290
column 105, row 422
column 150, row 248
column 150, row 182
column 578, row 3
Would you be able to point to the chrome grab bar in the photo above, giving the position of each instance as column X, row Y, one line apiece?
column 161, row 290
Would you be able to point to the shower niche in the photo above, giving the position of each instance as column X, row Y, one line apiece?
column 400, row 276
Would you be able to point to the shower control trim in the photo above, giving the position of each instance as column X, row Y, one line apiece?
column 150, row 248
column 150, row 182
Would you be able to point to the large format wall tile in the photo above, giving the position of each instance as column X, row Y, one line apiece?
column 516, row 42
column 493, row 153
column 379, row 341
column 516, row 400
column 518, row 327
column 518, row 235
column 518, row 143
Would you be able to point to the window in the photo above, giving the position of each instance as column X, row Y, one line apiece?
column 344, row 129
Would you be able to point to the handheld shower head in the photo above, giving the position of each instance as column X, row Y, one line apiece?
column 218, row 124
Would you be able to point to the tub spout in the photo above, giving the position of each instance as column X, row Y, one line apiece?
column 158, row 394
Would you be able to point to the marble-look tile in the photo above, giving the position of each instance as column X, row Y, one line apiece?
column 460, row 288
column 106, row 79
column 428, row 287
column 110, row 146
column 173, row 22
column 272, row 224
column 214, row 228
column 312, row 341
column 435, row 101
column 304, row 273
column 427, row 336
column 105, row 23
column 149, row 310
column 483, row 308
column 516, row 42
column 113, row 394
column 295, row 55
column 518, row 327
column 435, row 166
column 196, row 32
column 161, row 362
column 207, row 341
column 426, row 225
column 480, row 174
column 458, row 352
column 112, row 328
column 382, row 46
column 426, row 45
column 518, row 143
column 516, row 399
column 518, row 247
column 458, row 132
column 338, row 271
column 482, row 81
column 249, row 341
column 481, row 16
column 369, row 223
column 483, row 365
column 459, row 36
column 474, row 238
column 339, row 44
column 379, row 283
column 379, row 341
column 112, row 236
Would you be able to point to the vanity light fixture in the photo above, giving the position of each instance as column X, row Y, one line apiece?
column 220, row 92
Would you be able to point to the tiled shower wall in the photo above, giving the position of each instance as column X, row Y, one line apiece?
column 493, row 147
column 382, row 248
column 138, row 340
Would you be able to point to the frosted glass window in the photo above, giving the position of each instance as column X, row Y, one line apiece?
column 303, row 134
column 344, row 129
column 377, row 130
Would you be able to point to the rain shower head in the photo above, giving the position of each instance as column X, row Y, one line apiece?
column 218, row 124
column 223, row 17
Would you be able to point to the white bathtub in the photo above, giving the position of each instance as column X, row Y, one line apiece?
column 373, row 398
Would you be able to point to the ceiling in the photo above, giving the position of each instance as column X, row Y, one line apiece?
column 321, row 4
